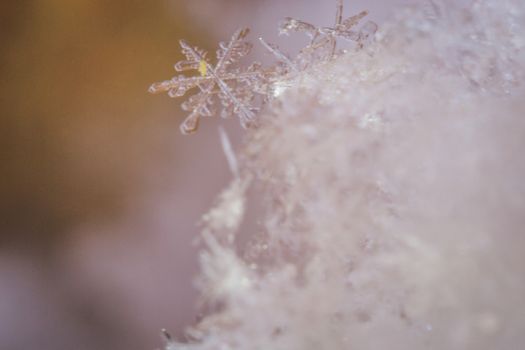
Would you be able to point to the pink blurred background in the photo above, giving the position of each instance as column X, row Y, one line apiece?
column 100, row 194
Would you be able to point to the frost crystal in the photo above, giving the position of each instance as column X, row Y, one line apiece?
column 235, row 88
column 324, row 39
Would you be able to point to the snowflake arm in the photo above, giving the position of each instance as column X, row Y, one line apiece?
column 177, row 86
column 233, row 51
column 198, row 105
column 339, row 13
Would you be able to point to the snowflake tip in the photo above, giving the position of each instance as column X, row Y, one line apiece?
column 182, row 66
column 290, row 24
column 368, row 30
column 354, row 20
column 286, row 25
column 190, row 124
column 159, row 87
column 241, row 33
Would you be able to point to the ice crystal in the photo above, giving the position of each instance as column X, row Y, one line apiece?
column 236, row 88
column 324, row 39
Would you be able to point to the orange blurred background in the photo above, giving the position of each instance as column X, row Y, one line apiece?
column 100, row 194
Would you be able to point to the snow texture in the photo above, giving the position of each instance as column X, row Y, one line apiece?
column 393, row 193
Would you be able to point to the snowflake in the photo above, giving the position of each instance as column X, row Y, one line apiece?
column 324, row 39
column 236, row 89
column 239, row 91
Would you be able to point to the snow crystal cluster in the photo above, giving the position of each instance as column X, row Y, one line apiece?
column 242, row 91
column 393, row 195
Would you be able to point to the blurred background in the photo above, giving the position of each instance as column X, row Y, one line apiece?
column 100, row 194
